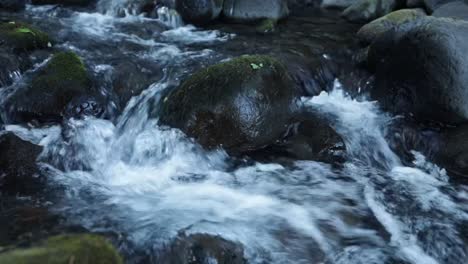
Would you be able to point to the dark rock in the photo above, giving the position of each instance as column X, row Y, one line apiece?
column 63, row 2
column 415, row 3
column 337, row 3
column 84, row 106
column 12, row 5
column 77, row 249
column 252, row 10
column 61, row 80
column 432, row 5
column 202, row 249
column 242, row 105
column 379, row 26
column 456, row 10
column 422, row 69
column 19, row 173
column 453, row 156
column 20, row 37
column 266, row 26
column 199, row 11
column 12, row 66
column 367, row 10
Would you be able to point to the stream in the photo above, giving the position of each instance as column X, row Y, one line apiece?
column 145, row 183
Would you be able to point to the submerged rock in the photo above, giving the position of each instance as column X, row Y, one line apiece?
column 203, row 249
column 422, row 69
column 379, row 26
column 19, row 173
column 199, row 11
column 61, row 80
column 367, row 10
column 66, row 249
column 12, row 5
column 240, row 105
column 252, row 10
column 337, row 3
column 453, row 156
column 456, row 10
column 20, row 37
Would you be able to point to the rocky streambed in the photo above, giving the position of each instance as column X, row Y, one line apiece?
column 233, row 131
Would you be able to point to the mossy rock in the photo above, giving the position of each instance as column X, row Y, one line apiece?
column 66, row 249
column 241, row 105
column 379, row 26
column 62, row 79
column 266, row 26
column 22, row 37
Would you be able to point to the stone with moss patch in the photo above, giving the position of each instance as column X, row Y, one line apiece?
column 22, row 37
column 65, row 249
column 241, row 105
column 62, row 79
column 379, row 26
column 266, row 26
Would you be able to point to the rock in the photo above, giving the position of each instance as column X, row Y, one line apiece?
column 20, row 37
column 422, row 69
column 456, row 10
column 84, row 106
column 242, row 105
column 337, row 3
column 453, row 156
column 415, row 3
column 367, row 10
column 12, row 66
column 379, row 26
column 66, row 249
column 199, row 11
column 19, row 173
column 266, row 26
column 12, row 5
column 61, row 80
column 252, row 10
column 432, row 5
column 62, row 2
column 314, row 139
column 202, row 248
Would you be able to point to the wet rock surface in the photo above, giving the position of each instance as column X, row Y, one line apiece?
column 240, row 105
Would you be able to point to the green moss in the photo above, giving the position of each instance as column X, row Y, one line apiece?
column 266, row 26
column 222, row 76
column 65, row 249
column 22, row 37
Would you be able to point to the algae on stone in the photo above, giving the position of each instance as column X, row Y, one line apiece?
column 22, row 37
column 65, row 249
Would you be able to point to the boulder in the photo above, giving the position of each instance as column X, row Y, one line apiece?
column 367, row 10
column 253, row 10
column 202, row 248
column 63, row 2
column 337, row 3
column 62, row 249
column 422, row 69
column 12, row 5
column 415, row 3
column 240, row 105
column 20, row 37
column 453, row 156
column 381, row 25
column 432, row 5
column 55, row 85
column 19, row 173
column 199, row 11
column 456, row 10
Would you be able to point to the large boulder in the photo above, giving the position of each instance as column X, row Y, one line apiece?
column 456, row 10
column 379, row 26
column 63, row 2
column 252, row 10
column 61, row 80
column 19, row 37
column 19, row 173
column 240, row 105
column 199, row 11
column 12, row 5
column 367, row 10
column 63, row 249
column 422, row 69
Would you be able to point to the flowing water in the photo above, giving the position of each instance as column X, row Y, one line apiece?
column 148, row 183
